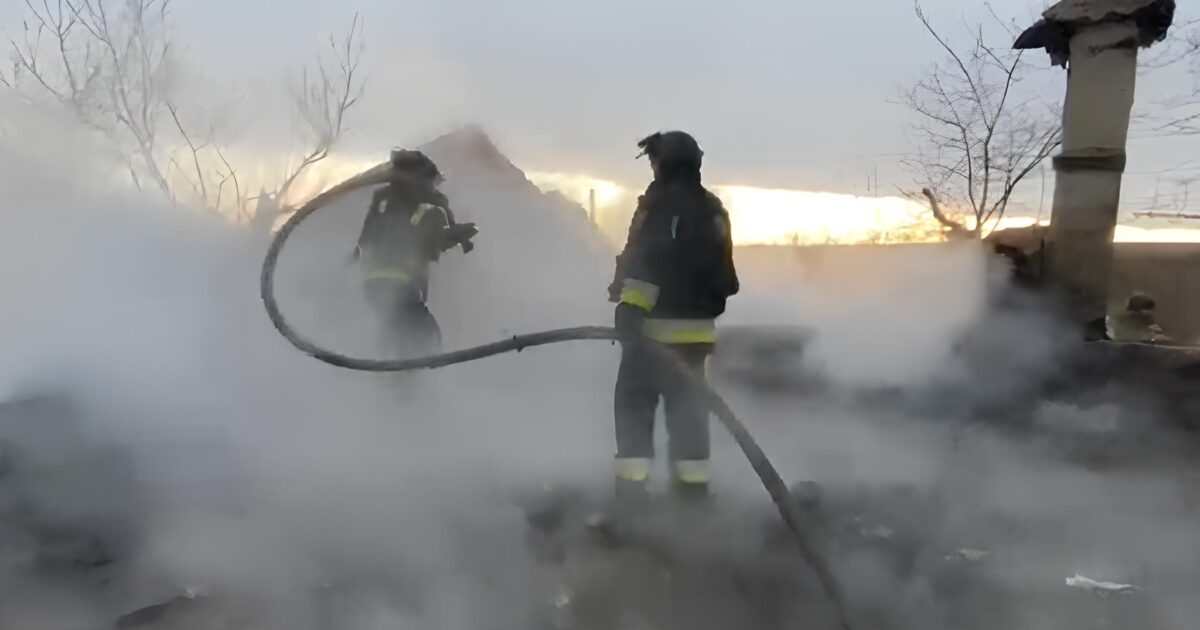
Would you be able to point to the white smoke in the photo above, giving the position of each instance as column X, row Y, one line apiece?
column 262, row 477
column 259, row 470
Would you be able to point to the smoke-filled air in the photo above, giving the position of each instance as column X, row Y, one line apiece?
column 800, row 401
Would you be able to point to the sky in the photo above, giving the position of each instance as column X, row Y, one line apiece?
column 782, row 95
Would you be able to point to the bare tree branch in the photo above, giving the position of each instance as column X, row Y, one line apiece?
column 949, row 50
column 111, row 63
column 1178, row 113
column 238, row 195
column 957, row 230
column 1165, row 215
column 977, row 139
column 323, row 103
column 202, row 188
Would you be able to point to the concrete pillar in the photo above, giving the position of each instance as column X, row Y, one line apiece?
column 1087, row 195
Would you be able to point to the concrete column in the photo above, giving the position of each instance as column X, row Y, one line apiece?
column 1087, row 195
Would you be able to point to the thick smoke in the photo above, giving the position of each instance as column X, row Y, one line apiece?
column 257, row 473
column 971, row 488
column 164, row 440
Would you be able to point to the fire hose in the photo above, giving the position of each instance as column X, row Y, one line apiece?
column 774, row 484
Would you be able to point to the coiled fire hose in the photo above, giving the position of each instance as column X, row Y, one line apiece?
column 766, row 471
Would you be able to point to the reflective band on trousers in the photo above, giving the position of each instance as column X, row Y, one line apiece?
column 633, row 468
column 639, row 293
column 692, row 471
column 681, row 331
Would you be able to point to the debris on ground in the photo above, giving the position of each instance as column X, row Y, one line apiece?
column 969, row 555
column 148, row 615
column 1099, row 587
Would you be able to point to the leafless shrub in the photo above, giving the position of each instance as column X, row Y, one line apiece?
column 111, row 63
column 977, row 140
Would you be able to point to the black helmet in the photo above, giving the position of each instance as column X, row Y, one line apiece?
column 674, row 149
column 416, row 163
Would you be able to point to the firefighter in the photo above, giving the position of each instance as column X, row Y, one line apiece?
column 409, row 225
column 672, row 281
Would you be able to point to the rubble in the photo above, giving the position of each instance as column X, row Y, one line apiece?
column 1100, row 587
column 152, row 614
column 969, row 555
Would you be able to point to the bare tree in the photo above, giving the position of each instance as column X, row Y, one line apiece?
column 977, row 140
column 322, row 95
column 110, row 62
column 1178, row 114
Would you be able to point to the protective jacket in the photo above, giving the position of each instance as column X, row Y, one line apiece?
column 677, row 263
column 405, row 230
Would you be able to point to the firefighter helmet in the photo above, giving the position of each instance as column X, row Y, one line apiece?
column 415, row 162
column 672, row 148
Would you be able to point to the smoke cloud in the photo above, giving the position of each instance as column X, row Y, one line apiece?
column 160, row 439
column 256, row 471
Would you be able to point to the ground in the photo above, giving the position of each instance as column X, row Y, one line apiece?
column 979, row 545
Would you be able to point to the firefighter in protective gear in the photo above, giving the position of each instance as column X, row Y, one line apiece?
column 409, row 225
column 672, row 281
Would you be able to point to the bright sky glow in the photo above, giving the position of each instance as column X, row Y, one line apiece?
column 769, row 216
column 761, row 216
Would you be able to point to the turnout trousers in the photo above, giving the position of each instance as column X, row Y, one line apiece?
column 406, row 327
column 642, row 381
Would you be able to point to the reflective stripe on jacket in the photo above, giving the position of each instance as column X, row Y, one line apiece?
column 681, row 331
column 677, row 263
column 402, row 234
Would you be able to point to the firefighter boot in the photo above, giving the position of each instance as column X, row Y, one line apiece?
column 690, row 481
column 630, row 497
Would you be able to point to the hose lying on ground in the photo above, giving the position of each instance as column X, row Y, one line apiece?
column 766, row 471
